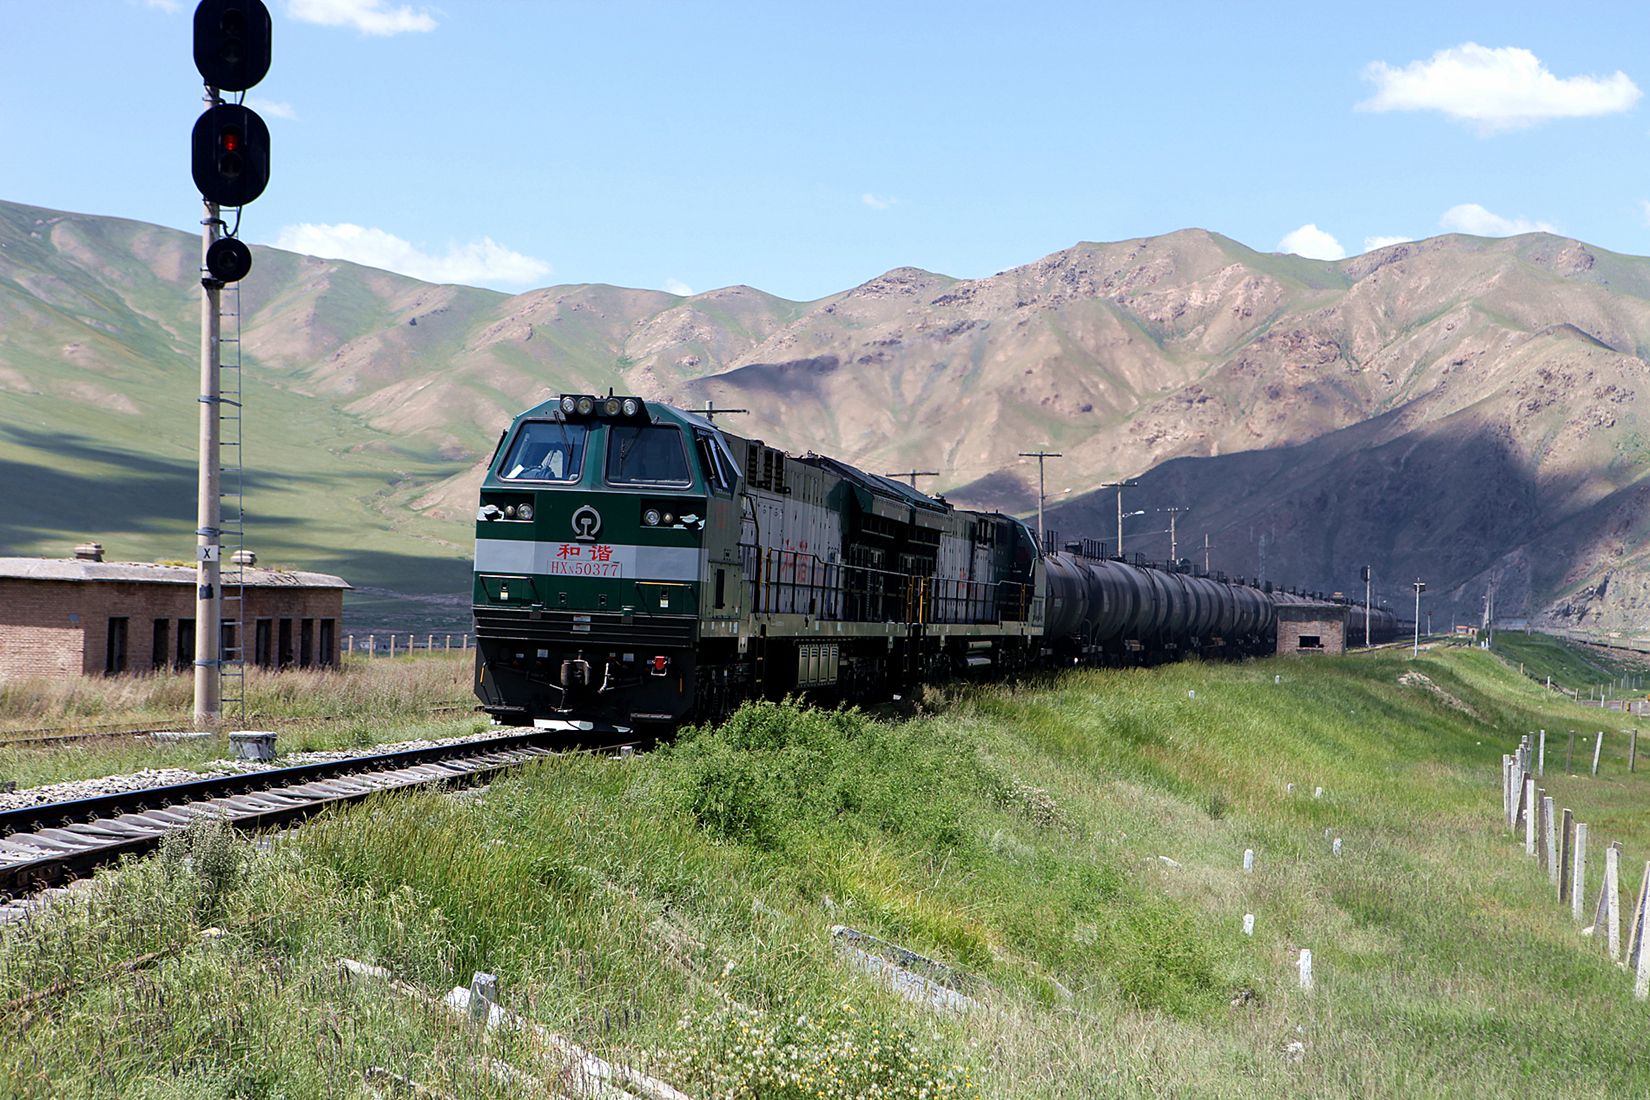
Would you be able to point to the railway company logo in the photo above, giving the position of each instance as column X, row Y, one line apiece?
column 587, row 522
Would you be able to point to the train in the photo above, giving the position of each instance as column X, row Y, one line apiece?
column 638, row 567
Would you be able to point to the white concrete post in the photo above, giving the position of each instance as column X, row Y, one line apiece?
column 1541, row 757
column 1550, row 833
column 1612, row 898
column 1248, row 860
column 1578, row 868
column 1529, row 816
column 1248, row 924
column 1306, row 969
column 1598, row 745
column 1336, row 849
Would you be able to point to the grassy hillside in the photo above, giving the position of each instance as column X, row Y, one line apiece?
column 1074, row 846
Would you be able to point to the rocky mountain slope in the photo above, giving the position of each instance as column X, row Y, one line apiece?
column 1459, row 408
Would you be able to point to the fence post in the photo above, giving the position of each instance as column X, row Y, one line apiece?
column 447, row 644
column 372, row 646
column 1597, row 746
column 1612, row 898
column 1541, row 757
column 411, row 645
column 1566, row 849
column 1549, row 840
column 1635, row 937
column 1507, row 788
column 1569, row 752
column 1633, row 752
column 392, row 645
column 430, row 644
column 1528, row 809
column 1578, row 882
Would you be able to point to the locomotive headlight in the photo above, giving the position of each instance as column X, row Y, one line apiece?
column 632, row 407
column 509, row 511
column 611, row 406
column 651, row 517
column 587, row 405
column 670, row 520
column 525, row 511
column 568, row 405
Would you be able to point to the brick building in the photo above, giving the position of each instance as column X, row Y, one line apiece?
column 1308, row 627
column 61, row 618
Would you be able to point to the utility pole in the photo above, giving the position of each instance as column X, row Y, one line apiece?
column 1120, row 486
column 1174, row 545
column 1206, row 549
column 913, row 475
column 1420, row 587
column 1040, row 456
column 208, row 606
column 1366, row 606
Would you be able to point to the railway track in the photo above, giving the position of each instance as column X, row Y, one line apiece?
column 55, row 842
column 53, row 735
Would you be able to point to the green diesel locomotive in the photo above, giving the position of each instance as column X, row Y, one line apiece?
column 639, row 567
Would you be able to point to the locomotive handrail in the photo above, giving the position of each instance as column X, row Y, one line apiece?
column 840, row 591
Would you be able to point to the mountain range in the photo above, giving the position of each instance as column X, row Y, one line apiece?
column 1460, row 410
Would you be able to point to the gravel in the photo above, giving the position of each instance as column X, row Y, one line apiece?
column 160, row 777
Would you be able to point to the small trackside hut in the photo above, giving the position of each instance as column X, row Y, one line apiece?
column 1313, row 627
column 62, row 618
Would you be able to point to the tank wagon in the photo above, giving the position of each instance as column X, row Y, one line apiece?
column 638, row 566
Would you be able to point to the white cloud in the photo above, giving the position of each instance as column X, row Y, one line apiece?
column 877, row 202
column 170, row 7
column 1313, row 243
column 1372, row 243
column 676, row 286
column 274, row 108
column 1644, row 209
column 478, row 263
column 1496, row 89
column 1471, row 218
column 366, row 16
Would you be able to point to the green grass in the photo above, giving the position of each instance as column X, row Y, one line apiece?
column 361, row 703
column 674, row 910
column 1573, row 667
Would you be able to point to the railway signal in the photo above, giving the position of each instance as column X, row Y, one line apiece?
column 232, row 43
column 229, row 161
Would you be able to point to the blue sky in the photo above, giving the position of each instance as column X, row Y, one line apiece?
column 805, row 148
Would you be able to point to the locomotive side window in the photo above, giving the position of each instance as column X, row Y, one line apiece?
column 646, row 454
column 546, row 450
column 713, row 463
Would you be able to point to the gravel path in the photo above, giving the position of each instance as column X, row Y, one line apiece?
column 160, row 777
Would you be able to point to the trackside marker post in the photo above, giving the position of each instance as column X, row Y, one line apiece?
column 1306, row 969
column 1248, row 860
column 1248, row 924
column 1612, row 897
column 1541, row 756
column 1529, row 811
column 1598, row 746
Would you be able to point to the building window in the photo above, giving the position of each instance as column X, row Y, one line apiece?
column 229, row 642
column 262, row 649
column 329, row 643
column 186, row 643
column 306, row 643
column 114, row 657
column 160, row 655
column 1311, row 641
column 283, row 653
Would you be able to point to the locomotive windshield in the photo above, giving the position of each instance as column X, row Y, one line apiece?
column 546, row 450
column 647, row 454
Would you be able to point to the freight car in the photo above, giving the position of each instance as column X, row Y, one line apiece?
column 637, row 566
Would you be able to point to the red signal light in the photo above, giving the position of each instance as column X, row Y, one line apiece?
column 231, row 140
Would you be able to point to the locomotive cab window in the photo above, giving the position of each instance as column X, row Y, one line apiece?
column 545, row 450
column 713, row 463
column 646, row 454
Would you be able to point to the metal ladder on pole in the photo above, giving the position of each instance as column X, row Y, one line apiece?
column 232, row 498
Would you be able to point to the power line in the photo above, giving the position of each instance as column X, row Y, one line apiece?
column 1119, row 486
